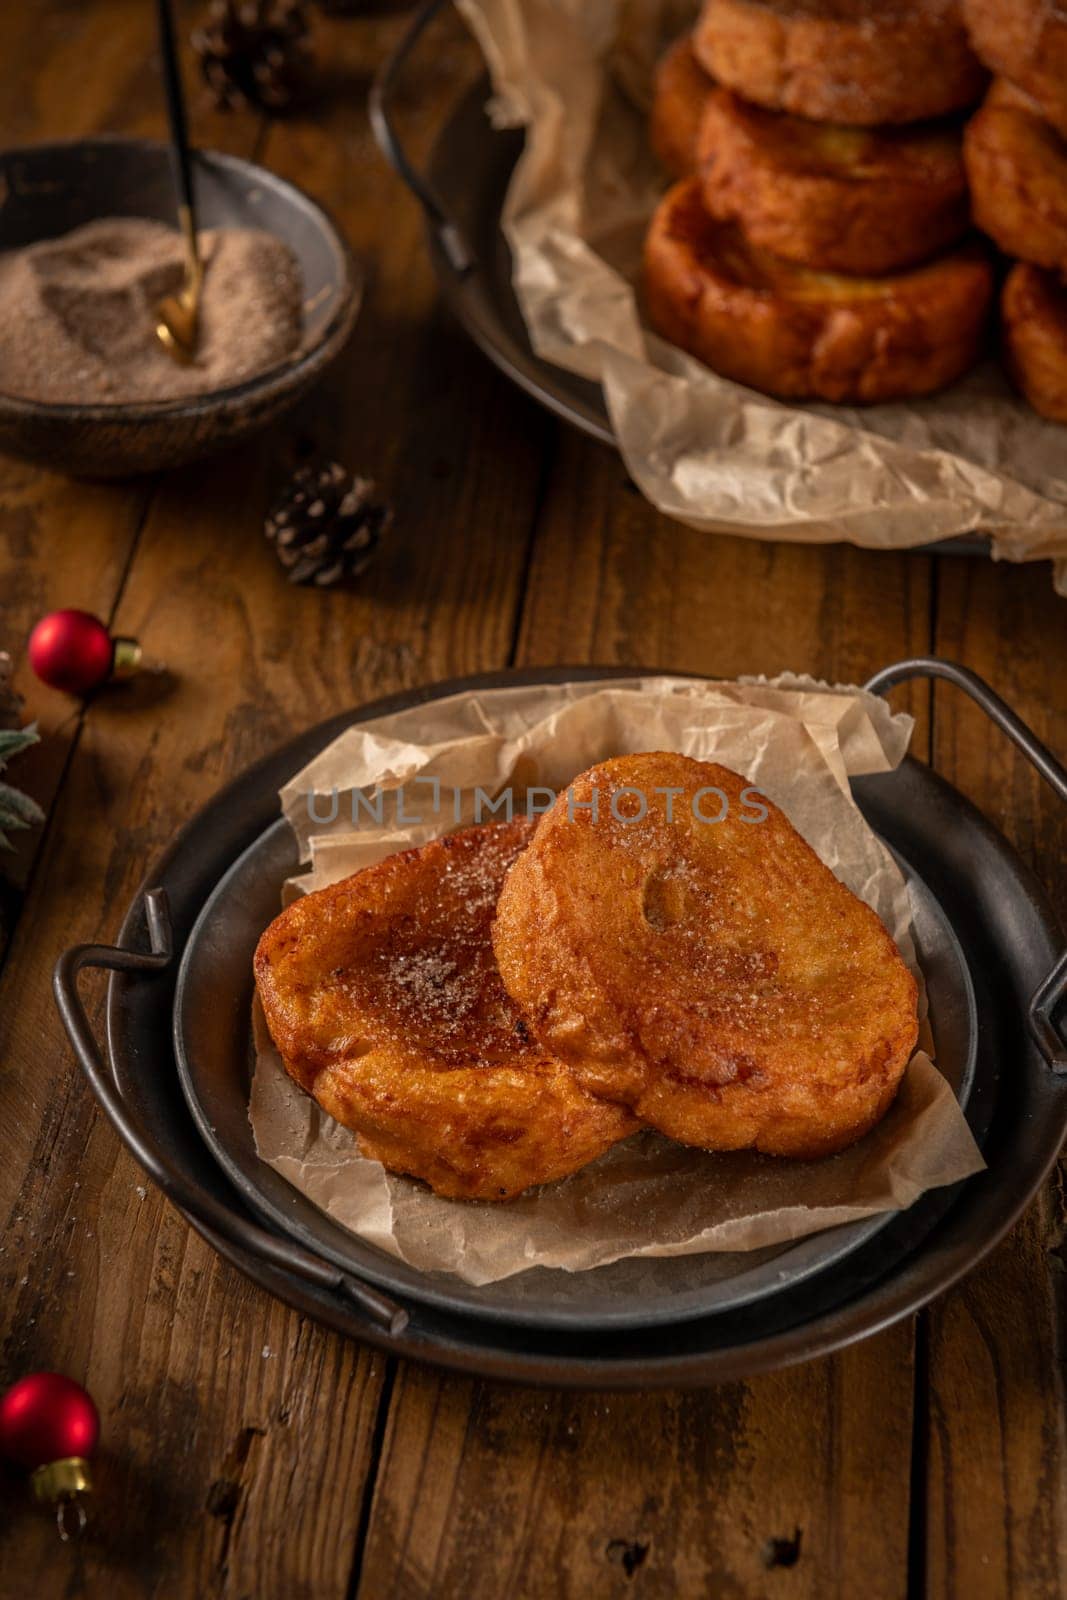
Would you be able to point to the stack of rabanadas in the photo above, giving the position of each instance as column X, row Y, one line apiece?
column 819, row 241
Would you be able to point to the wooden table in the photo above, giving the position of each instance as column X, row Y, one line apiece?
column 245, row 1451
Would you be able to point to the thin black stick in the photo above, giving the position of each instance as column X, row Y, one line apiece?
column 179, row 128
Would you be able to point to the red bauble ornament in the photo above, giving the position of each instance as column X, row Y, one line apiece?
column 49, row 1426
column 45, row 1417
column 73, row 650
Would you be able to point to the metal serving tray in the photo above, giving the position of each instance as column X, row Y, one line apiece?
column 213, row 1049
column 462, row 197
column 990, row 948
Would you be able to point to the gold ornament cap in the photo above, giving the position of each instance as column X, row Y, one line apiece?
column 125, row 658
column 61, row 1480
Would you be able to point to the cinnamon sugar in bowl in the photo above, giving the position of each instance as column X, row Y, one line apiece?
column 107, row 416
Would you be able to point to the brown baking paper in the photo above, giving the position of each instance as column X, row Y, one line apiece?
column 798, row 742
column 576, row 74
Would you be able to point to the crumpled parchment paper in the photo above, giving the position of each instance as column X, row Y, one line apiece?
column 576, row 74
column 798, row 742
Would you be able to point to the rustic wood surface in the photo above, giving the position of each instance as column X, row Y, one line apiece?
column 246, row 1452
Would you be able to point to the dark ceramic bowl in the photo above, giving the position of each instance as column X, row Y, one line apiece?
column 50, row 189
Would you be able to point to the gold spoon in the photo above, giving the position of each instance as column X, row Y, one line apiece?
column 178, row 315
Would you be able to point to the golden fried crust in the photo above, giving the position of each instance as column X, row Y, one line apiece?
column 384, row 1000
column 1017, row 166
column 855, row 61
column 1026, row 41
column 838, row 198
column 679, row 96
column 1035, row 337
column 800, row 334
column 715, row 976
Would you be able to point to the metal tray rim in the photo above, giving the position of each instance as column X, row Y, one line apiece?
column 909, row 1284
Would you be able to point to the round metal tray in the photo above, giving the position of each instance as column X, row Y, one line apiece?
column 213, row 1048
column 1000, row 922
column 462, row 195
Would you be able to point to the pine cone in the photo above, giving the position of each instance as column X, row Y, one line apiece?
column 254, row 52
column 326, row 525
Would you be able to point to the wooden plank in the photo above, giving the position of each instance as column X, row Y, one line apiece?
column 61, row 543
column 796, row 1483
column 613, row 581
column 997, row 1451
column 70, row 71
column 237, row 1437
column 458, row 450
column 486, row 1490
column 66, row 543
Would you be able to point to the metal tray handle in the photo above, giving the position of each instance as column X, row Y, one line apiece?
column 458, row 253
column 1051, row 991
column 228, row 1225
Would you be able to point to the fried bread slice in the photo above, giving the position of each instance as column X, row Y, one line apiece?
column 383, row 997
column 829, row 196
column 1034, row 308
column 854, row 61
column 1025, row 41
column 679, row 95
column 800, row 334
column 713, row 975
column 1017, row 166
